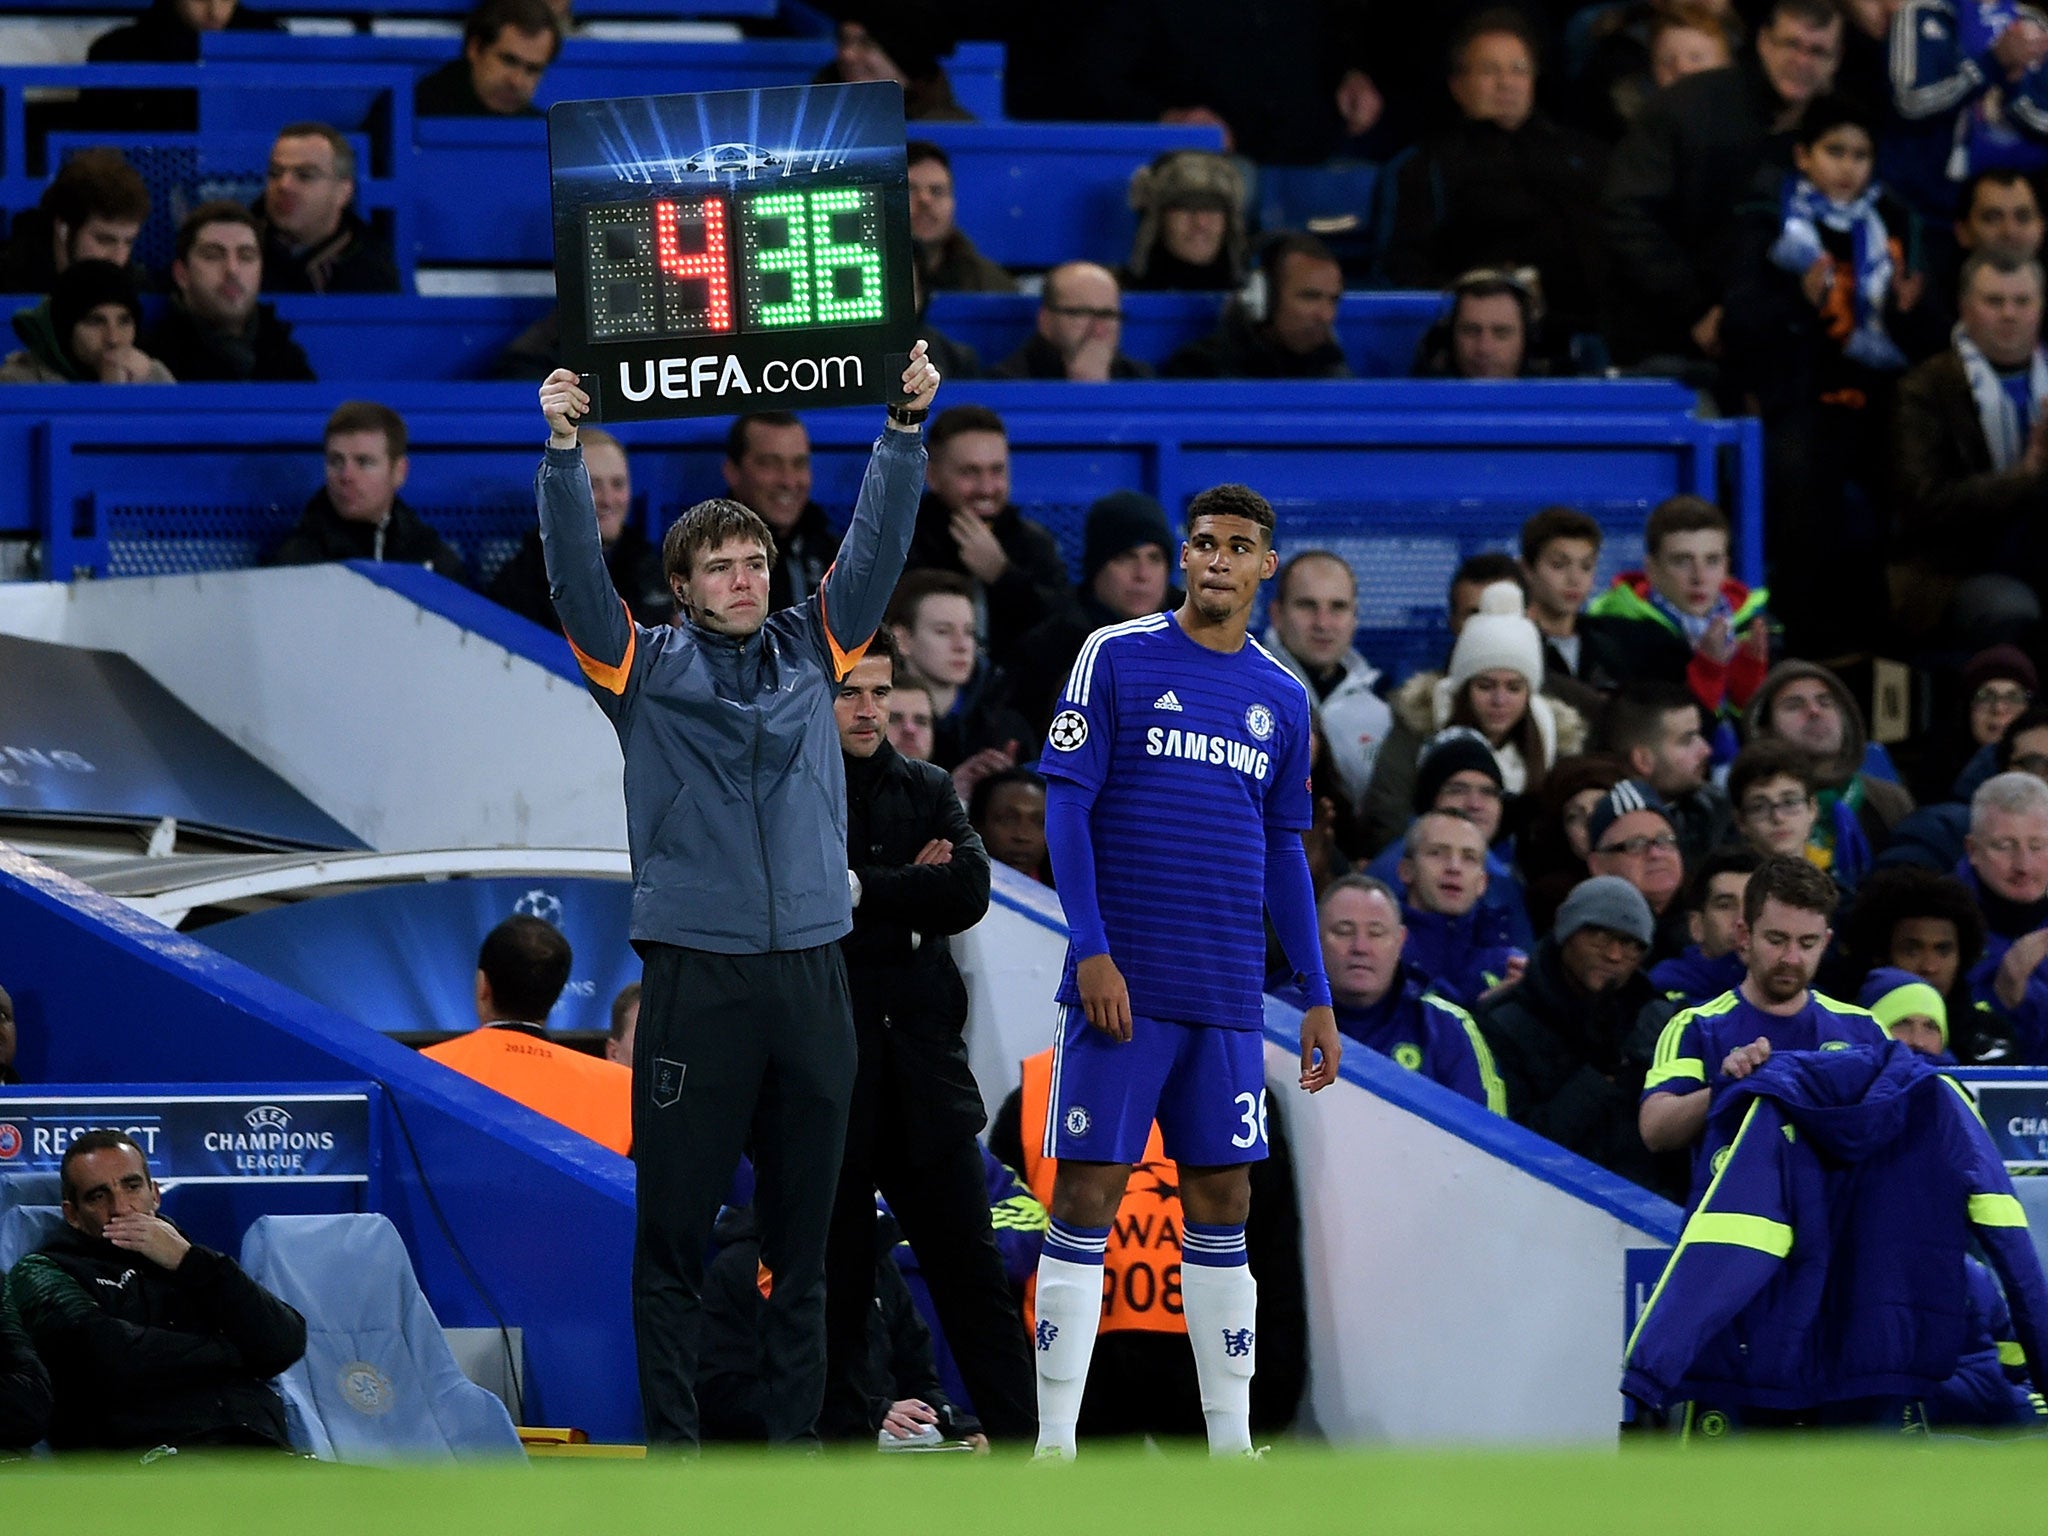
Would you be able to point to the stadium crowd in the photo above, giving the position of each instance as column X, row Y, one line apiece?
column 1623, row 845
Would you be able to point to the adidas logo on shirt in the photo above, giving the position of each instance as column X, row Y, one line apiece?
column 1168, row 700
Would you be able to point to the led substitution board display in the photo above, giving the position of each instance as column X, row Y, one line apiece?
column 733, row 251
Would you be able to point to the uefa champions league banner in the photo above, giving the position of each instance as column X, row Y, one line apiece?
column 2016, row 1114
column 232, row 1137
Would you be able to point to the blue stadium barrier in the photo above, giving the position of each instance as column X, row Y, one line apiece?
column 590, row 68
column 481, row 195
column 1404, row 479
column 1037, row 194
column 510, row 1219
column 1378, row 331
column 237, row 97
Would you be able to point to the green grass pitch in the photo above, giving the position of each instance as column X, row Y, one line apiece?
column 1812, row 1487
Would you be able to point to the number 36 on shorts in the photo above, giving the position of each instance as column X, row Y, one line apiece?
column 1251, row 1109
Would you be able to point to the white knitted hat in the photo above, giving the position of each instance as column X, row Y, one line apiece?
column 1499, row 635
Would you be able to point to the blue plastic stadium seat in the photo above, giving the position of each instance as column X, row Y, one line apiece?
column 37, row 1187
column 378, row 1382
column 24, row 1229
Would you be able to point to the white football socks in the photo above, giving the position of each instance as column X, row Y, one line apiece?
column 1221, row 1302
column 1069, row 1304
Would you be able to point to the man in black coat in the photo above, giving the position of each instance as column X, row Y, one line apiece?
column 1503, row 186
column 1691, row 156
column 918, row 873
column 314, row 241
column 149, row 1338
column 1283, row 327
column 507, row 46
column 1572, row 1041
column 358, row 514
column 214, row 331
column 635, row 564
column 166, row 33
column 966, row 524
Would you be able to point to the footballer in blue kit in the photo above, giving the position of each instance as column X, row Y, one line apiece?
column 1786, row 909
column 1178, row 766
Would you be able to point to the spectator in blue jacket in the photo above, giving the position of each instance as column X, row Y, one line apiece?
column 1462, row 951
column 2006, row 870
column 1458, row 772
column 1786, row 916
column 1712, row 963
column 1385, row 1004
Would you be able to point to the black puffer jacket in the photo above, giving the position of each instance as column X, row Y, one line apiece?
column 909, row 1003
column 1573, row 1066
column 140, row 1355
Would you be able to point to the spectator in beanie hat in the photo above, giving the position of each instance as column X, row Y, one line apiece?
column 83, row 333
column 1495, row 672
column 1127, row 558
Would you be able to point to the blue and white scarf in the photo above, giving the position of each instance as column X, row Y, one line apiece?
column 2004, row 433
column 1980, row 24
column 1799, row 247
column 1693, row 626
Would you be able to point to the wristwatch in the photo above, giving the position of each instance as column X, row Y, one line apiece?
column 904, row 416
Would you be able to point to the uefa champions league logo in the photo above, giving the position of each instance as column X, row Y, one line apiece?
column 1069, row 730
column 541, row 904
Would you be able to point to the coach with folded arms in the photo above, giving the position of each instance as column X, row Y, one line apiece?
column 736, row 823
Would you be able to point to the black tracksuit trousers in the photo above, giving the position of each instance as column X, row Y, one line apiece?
column 737, row 1053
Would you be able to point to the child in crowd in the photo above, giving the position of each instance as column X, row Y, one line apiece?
column 1688, row 620
column 1770, row 784
column 1824, row 313
column 1560, row 553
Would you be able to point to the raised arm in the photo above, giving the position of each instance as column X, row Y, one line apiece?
column 594, row 617
column 855, row 592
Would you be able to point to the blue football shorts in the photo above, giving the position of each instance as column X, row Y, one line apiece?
column 1204, row 1084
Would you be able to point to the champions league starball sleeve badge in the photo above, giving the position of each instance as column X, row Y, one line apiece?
column 733, row 251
